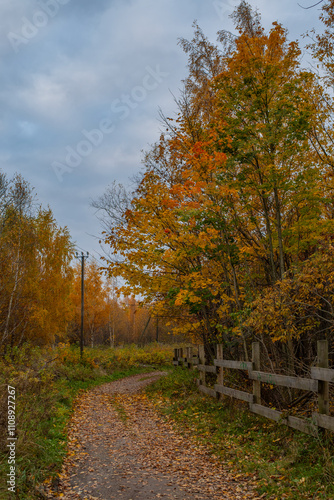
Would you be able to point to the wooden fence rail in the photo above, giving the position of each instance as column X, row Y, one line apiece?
column 320, row 378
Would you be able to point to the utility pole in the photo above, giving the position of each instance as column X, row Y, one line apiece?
column 111, row 329
column 109, row 309
column 113, row 306
column 113, row 322
column 82, row 257
column 114, row 302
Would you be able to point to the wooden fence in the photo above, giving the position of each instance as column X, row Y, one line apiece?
column 321, row 377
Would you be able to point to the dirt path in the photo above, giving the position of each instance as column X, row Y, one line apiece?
column 120, row 448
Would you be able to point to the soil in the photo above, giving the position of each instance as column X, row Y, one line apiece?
column 121, row 448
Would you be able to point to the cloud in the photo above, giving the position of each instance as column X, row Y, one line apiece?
column 67, row 77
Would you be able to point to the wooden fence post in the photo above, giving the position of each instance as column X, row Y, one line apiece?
column 323, row 388
column 189, row 356
column 220, row 375
column 220, row 355
column 256, row 367
column 201, row 355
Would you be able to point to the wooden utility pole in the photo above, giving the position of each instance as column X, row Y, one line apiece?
column 82, row 257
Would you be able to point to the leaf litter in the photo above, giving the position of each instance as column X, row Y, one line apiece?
column 119, row 447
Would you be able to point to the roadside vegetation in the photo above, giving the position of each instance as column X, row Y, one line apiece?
column 47, row 383
column 287, row 464
column 284, row 463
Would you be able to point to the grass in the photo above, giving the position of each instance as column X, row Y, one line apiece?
column 287, row 463
column 47, row 383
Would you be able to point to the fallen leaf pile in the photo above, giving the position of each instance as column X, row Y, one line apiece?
column 120, row 448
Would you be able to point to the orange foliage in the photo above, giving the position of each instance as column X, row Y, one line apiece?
column 235, row 195
column 35, row 270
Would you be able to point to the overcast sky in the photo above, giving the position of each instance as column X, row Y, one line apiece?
column 81, row 82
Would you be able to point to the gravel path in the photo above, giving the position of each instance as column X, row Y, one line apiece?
column 120, row 448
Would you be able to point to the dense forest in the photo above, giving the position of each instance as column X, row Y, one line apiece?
column 40, row 287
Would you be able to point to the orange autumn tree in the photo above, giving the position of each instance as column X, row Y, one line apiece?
column 232, row 196
column 108, row 320
column 52, row 310
column 274, row 199
column 137, row 324
column 298, row 308
column 98, row 306
column 268, row 108
column 158, row 222
column 170, row 263
column 35, row 255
